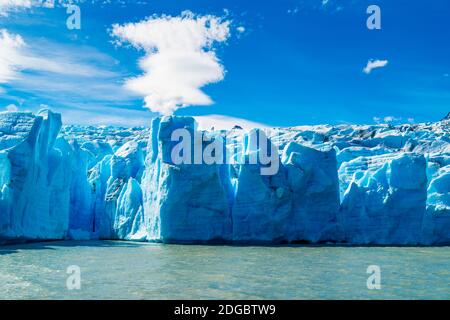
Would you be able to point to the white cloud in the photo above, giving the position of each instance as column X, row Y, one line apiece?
column 220, row 122
column 179, row 58
column 12, row 108
column 10, row 55
column 374, row 64
column 389, row 119
column 240, row 29
column 8, row 5
column 293, row 11
column 59, row 73
column 49, row 4
column 93, row 114
column 16, row 55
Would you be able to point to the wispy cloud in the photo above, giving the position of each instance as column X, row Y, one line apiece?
column 60, row 73
column 12, row 107
column 293, row 11
column 9, row 5
column 16, row 55
column 179, row 58
column 374, row 64
column 389, row 119
column 10, row 55
column 99, row 114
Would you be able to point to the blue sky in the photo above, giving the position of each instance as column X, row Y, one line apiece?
column 285, row 62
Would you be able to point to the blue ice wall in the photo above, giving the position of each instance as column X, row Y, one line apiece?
column 344, row 184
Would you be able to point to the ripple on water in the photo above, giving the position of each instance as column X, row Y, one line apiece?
column 126, row 270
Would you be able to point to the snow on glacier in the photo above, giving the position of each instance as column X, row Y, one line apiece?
column 358, row 184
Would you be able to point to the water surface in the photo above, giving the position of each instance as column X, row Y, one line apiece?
column 125, row 270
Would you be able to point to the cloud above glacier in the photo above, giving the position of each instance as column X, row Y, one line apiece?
column 7, row 5
column 10, row 55
column 180, row 58
column 390, row 119
column 60, row 74
column 16, row 55
column 374, row 64
column 12, row 108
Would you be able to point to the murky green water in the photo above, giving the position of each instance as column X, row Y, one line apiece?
column 124, row 270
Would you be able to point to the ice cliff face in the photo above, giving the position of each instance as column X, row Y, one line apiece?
column 376, row 184
column 34, row 180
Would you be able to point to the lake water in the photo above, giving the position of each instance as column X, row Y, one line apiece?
column 125, row 270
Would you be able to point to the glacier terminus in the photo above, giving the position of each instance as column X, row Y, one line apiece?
column 351, row 184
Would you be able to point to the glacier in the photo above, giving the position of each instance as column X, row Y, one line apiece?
column 349, row 184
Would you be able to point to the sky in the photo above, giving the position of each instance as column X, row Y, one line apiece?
column 273, row 63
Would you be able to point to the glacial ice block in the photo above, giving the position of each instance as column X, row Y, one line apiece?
column 35, row 196
column 129, row 221
column 108, row 180
column 80, row 205
column 313, row 179
column 385, row 203
column 261, row 204
column 184, row 202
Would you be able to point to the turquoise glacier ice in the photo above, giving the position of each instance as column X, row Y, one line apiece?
column 357, row 184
